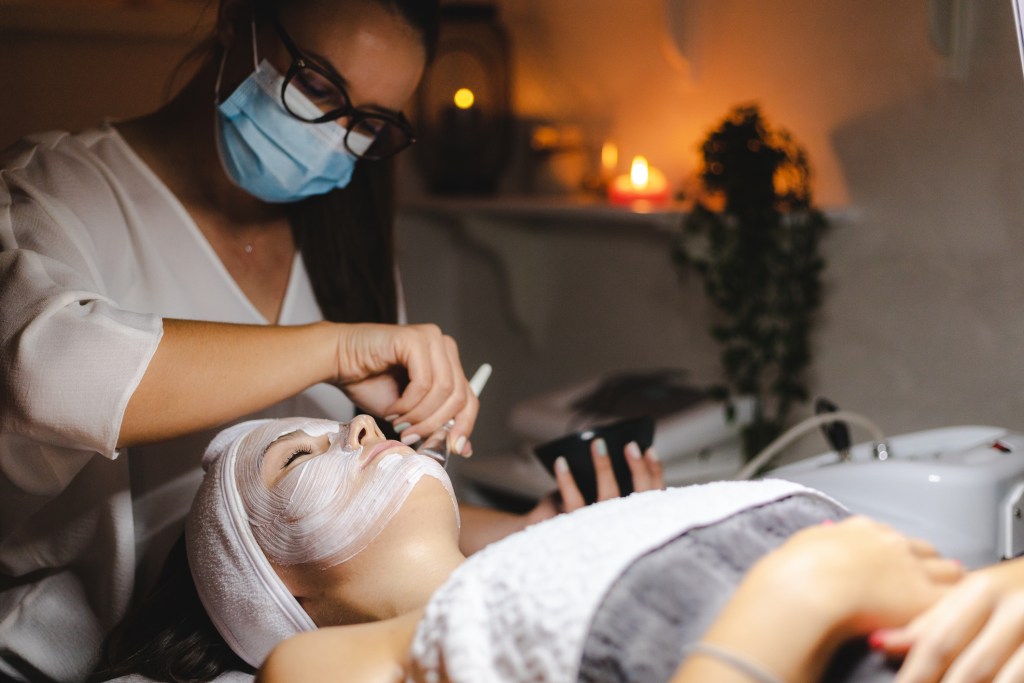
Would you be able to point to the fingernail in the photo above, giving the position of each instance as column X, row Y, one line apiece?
column 391, row 418
column 460, row 443
column 602, row 447
column 633, row 450
column 468, row 452
column 399, row 428
column 876, row 641
column 561, row 466
column 653, row 454
column 826, row 522
column 410, row 438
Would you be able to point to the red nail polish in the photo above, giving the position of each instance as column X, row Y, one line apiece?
column 876, row 640
column 827, row 522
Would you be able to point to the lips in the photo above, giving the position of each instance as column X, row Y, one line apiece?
column 379, row 449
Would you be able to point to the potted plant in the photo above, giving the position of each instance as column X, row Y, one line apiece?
column 753, row 239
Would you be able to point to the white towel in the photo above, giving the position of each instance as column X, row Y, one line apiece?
column 243, row 595
column 521, row 608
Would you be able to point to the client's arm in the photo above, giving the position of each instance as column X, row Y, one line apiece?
column 825, row 585
column 481, row 526
column 368, row 653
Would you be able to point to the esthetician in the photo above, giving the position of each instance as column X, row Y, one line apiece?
column 165, row 275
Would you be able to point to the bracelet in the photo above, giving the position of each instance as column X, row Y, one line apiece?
column 733, row 660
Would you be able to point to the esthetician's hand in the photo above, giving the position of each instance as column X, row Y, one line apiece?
column 645, row 468
column 409, row 374
column 976, row 633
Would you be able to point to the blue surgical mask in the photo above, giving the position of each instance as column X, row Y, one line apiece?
column 271, row 154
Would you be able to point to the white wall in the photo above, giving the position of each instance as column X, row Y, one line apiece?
column 924, row 313
column 68, row 65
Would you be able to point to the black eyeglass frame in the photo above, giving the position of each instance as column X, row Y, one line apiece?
column 300, row 62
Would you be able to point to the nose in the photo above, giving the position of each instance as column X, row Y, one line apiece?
column 363, row 432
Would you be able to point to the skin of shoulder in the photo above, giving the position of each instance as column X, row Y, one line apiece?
column 374, row 652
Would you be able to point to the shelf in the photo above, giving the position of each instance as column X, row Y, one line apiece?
column 580, row 208
column 567, row 210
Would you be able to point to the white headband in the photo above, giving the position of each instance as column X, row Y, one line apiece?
column 243, row 595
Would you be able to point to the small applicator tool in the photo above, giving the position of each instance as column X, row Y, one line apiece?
column 436, row 445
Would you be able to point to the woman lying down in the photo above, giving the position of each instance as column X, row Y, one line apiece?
column 303, row 525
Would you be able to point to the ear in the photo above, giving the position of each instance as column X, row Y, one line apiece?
column 232, row 16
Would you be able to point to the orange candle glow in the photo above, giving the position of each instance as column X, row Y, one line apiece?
column 609, row 160
column 644, row 183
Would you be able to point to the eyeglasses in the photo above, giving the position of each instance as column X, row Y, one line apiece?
column 370, row 134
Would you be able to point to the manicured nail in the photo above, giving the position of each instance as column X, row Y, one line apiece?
column 827, row 522
column 391, row 418
column 399, row 428
column 633, row 450
column 561, row 466
column 460, row 443
column 469, row 451
column 410, row 438
column 876, row 641
column 601, row 447
column 653, row 454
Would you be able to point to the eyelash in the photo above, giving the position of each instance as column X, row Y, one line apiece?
column 305, row 450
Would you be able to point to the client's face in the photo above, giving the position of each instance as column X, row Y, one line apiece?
column 318, row 492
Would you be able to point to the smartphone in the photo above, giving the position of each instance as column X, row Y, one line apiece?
column 576, row 450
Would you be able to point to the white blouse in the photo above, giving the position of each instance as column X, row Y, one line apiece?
column 94, row 252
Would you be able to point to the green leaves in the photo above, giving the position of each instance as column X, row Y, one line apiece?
column 759, row 263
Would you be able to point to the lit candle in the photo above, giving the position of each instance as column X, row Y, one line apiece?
column 609, row 161
column 644, row 183
column 464, row 98
column 460, row 121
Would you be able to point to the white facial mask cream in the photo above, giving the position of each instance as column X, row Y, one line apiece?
column 328, row 507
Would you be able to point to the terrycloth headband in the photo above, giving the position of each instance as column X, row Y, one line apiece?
column 243, row 595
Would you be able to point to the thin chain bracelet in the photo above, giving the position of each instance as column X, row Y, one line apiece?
column 735, row 661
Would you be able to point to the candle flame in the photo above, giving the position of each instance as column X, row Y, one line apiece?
column 464, row 98
column 609, row 156
column 639, row 173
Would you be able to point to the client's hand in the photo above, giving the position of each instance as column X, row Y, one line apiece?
column 976, row 633
column 645, row 469
column 409, row 374
column 821, row 587
column 861, row 574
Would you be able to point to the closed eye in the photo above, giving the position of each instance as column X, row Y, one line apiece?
column 298, row 452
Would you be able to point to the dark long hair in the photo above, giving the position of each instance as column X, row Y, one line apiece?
column 168, row 636
column 346, row 238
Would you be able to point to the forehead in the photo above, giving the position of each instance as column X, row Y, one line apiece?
column 373, row 48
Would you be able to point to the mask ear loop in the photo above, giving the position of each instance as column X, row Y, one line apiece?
column 224, row 60
column 255, row 58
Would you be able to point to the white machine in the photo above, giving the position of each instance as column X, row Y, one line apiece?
column 962, row 488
